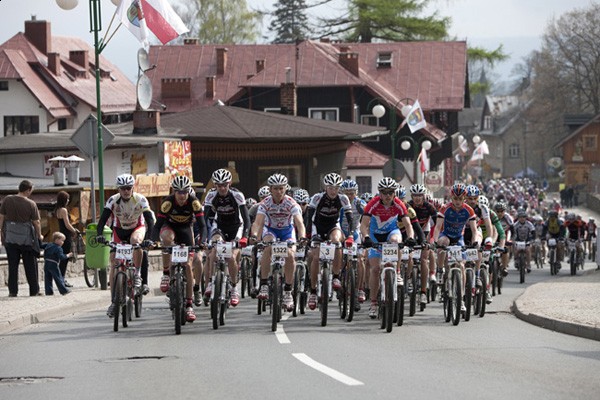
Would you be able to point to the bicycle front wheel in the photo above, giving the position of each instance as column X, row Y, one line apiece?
column 351, row 293
column 484, row 277
column 177, row 299
column 215, row 301
column 275, row 300
column 389, row 283
column 119, row 298
column 324, row 295
column 456, row 294
column 469, row 293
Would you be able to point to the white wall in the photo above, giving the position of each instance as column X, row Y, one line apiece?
column 17, row 100
column 375, row 174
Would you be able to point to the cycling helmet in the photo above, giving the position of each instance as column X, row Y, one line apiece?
column 250, row 202
column 277, row 180
column 538, row 218
column 125, row 180
column 592, row 220
column 221, row 176
column 264, row 192
column 483, row 201
column 500, row 206
column 366, row 196
column 387, row 183
column 332, row 179
column 401, row 192
column 349, row 184
column 458, row 190
column 521, row 213
column 417, row 188
column 472, row 191
column 181, row 183
column 570, row 217
column 553, row 213
column 301, row 196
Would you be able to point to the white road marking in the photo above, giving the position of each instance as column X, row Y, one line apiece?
column 280, row 334
column 338, row 376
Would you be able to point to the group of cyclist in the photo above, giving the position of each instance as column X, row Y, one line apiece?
column 336, row 214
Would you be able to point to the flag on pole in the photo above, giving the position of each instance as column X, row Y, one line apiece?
column 162, row 20
column 463, row 145
column 415, row 118
column 424, row 165
column 131, row 16
column 480, row 151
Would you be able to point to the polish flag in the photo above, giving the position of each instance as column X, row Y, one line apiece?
column 162, row 20
column 424, row 161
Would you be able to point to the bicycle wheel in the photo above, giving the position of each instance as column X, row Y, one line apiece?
column 521, row 267
column 399, row 306
column 90, row 275
column 138, row 304
column 177, row 299
column 215, row 300
column 118, row 299
column 324, row 300
column 244, row 271
column 468, row 293
column 224, row 304
column 456, row 296
column 275, row 300
column 389, row 282
column 412, row 293
column 495, row 272
column 342, row 295
column 446, row 298
column 484, row 277
column 573, row 262
column 351, row 291
column 296, row 293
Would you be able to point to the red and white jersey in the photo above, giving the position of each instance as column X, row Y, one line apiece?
column 280, row 215
column 127, row 214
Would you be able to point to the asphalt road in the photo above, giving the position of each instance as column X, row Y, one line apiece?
column 495, row 357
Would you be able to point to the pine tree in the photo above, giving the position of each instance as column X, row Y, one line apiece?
column 290, row 22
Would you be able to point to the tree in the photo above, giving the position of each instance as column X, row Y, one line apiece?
column 289, row 21
column 481, row 62
column 221, row 21
column 388, row 20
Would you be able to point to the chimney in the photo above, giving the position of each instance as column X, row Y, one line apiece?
column 211, row 87
column 54, row 63
column 349, row 61
column 38, row 33
column 146, row 122
column 221, row 60
column 80, row 57
column 190, row 41
column 289, row 99
column 176, row 88
column 260, row 65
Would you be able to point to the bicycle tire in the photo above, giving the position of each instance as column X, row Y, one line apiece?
column 352, row 294
column 412, row 308
column 399, row 306
column 389, row 282
column 90, row 275
column 324, row 294
column 552, row 261
column 138, row 304
column 296, row 293
column 495, row 273
column 456, row 297
column 468, row 293
column 244, row 277
column 483, row 276
column 446, row 297
column 342, row 295
column 521, row 267
column 224, row 304
column 275, row 300
column 117, row 299
column 215, row 301
column 573, row 262
column 178, row 309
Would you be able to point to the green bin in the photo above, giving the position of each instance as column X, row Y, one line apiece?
column 97, row 256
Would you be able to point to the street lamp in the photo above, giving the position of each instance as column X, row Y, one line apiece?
column 95, row 26
column 476, row 139
column 408, row 143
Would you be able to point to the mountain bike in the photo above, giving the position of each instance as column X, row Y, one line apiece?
column 348, row 298
column 221, row 282
column 452, row 283
column 301, row 282
column 414, row 279
column 575, row 255
column 325, row 278
column 553, row 255
column 538, row 254
column 391, row 286
column 246, row 267
column 473, row 289
column 90, row 274
column 521, row 258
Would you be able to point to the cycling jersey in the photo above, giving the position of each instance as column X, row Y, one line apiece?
column 325, row 212
column 455, row 220
column 524, row 232
column 574, row 229
column 358, row 208
column 507, row 223
column 384, row 219
column 554, row 227
column 127, row 214
column 426, row 213
column 279, row 215
column 591, row 230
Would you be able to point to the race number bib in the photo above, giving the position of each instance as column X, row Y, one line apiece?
column 327, row 251
column 389, row 253
column 520, row 245
column 472, row 255
column 300, row 253
column 551, row 242
column 486, row 254
column 455, row 254
column 180, row 254
column 224, row 250
column 278, row 250
column 351, row 251
column 247, row 251
column 124, row 252
column 416, row 254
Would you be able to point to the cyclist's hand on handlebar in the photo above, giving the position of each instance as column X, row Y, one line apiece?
column 349, row 242
column 101, row 239
column 148, row 244
column 410, row 242
column 252, row 240
column 243, row 242
column 488, row 243
column 302, row 242
column 367, row 242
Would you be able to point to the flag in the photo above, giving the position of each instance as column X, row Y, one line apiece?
column 463, row 145
column 480, row 151
column 424, row 161
column 416, row 118
column 131, row 16
column 162, row 20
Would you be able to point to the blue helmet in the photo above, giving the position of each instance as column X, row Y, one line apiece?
column 472, row 191
column 349, row 184
column 401, row 192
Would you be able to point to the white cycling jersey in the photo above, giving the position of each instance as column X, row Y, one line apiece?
column 127, row 214
column 279, row 215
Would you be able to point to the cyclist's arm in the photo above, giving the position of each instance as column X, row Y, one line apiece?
column 106, row 213
column 160, row 220
column 409, row 229
column 488, row 227
column 201, row 228
column 257, row 227
column 365, row 223
column 299, row 224
column 473, row 226
column 149, row 219
column 311, row 213
column 418, row 230
column 246, row 219
column 209, row 215
column 438, row 228
column 351, row 224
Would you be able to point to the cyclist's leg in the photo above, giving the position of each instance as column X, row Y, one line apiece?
column 136, row 238
column 167, row 238
column 336, row 236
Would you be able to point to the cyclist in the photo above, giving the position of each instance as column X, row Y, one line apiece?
column 302, row 198
column 178, row 212
column 524, row 232
column 350, row 188
column 227, row 219
column 538, row 224
column 278, row 218
column 323, row 224
column 366, row 197
column 574, row 227
column 590, row 235
column 131, row 220
column 507, row 225
column 262, row 193
column 451, row 222
column 380, row 224
column 426, row 213
column 554, row 228
column 498, row 236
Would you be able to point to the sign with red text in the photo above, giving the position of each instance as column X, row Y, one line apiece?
column 178, row 158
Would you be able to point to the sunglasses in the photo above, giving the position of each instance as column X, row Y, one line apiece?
column 458, row 198
column 126, row 187
column 183, row 192
column 387, row 192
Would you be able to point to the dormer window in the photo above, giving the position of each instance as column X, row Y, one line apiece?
column 384, row 59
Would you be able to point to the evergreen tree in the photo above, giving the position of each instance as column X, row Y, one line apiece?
column 289, row 21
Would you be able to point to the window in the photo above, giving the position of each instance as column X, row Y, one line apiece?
column 487, row 122
column 364, row 184
column 21, row 125
column 4, row 85
column 590, row 143
column 62, row 124
column 328, row 114
column 384, row 60
column 513, row 150
column 369, row 119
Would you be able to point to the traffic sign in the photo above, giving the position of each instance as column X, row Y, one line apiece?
column 86, row 137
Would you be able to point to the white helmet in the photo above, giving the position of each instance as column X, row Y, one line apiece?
column 264, row 192
column 125, row 180
column 417, row 188
column 181, row 183
column 221, row 176
column 483, row 201
column 277, row 180
column 387, row 183
column 301, row 196
column 332, row 179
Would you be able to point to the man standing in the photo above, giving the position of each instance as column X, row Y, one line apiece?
column 21, row 232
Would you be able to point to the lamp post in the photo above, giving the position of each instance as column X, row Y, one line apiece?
column 476, row 139
column 408, row 143
column 95, row 27
column 379, row 111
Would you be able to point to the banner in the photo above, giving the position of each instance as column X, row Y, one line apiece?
column 162, row 20
column 153, row 185
column 480, row 151
column 130, row 14
column 178, row 158
column 424, row 165
column 415, row 118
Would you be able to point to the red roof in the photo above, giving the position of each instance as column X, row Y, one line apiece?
column 360, row 156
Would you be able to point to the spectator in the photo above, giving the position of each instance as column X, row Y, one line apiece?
column 65, row 227
column 21, row 234
column 53, row 255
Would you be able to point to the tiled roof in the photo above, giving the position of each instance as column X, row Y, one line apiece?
column 360, row 156
column 224, row 123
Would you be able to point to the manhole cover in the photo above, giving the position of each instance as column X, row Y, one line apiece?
column 27, row 380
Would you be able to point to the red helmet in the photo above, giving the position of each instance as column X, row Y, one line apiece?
column 458, row 190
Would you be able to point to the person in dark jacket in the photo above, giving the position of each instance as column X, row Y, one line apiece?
column 53, row 255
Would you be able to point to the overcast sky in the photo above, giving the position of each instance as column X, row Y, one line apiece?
column 517, row 24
